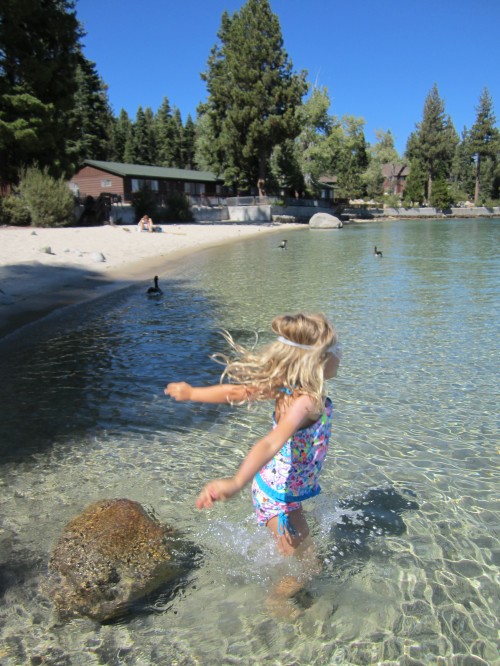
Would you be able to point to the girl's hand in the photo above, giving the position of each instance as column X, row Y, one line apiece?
column 179, row 391
column 220, row 489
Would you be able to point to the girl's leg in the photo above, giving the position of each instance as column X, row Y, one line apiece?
column 289, row 543
column 300, row 545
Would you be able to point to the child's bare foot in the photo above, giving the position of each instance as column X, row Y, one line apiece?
column 281, row 603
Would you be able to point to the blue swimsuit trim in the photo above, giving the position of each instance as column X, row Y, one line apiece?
column 284, row 497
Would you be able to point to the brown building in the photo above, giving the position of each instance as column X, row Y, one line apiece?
column 122, row 181
column 395, row 176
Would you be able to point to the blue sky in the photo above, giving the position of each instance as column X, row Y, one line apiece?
column 378, row 59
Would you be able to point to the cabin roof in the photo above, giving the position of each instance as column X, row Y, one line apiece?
column 152, row 172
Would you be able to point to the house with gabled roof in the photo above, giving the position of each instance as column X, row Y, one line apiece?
column 395, row 175
column 121, row 181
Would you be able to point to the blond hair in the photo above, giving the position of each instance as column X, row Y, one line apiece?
column 279, row 366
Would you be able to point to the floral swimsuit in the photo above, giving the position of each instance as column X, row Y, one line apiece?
column 291, row 476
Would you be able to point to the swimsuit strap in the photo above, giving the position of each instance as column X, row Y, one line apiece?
column 285, row 524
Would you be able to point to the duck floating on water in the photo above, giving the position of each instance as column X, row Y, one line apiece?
column 154, row 291
column 282, row 245
column 377, row 253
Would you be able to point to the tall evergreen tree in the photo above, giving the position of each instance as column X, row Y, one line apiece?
column 415, row 184
column 165, row 135
column 91, row 116
column 463, row 170
column 189, row 143
column 434, row 141
column 122, row 139
column 141, row 138
column 484, row 137
column 39, row 54
column 152, row 143
column 253, row 94
column 178, row 139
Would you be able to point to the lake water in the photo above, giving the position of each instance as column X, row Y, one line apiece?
column 408, row 521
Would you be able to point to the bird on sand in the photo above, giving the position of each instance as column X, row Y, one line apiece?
column 282, row 245
column 154, row 291
column 377, row 253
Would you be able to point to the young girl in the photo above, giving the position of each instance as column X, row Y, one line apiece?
column 285, row 464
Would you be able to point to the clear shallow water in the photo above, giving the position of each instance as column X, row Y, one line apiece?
column 416, row 410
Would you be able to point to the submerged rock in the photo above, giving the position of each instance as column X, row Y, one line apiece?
column 111, row 555
column 325, row 221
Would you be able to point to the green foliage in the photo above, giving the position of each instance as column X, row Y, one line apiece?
column 350, row 157
column 142, row 145
column 144, row 202
column 91, row 117
column 392, row 200
column 253, row 95
column 14, row 211
column 382, row 152
column 484, row 141
column 188, row 144
column 49, row 200
column 122, row 139
column 39, row 50
column 434, row 142
column 441, row 196
column 178, row 208
column 463, row 169
column 415, row 184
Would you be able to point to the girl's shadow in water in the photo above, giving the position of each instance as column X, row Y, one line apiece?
column 360, row 522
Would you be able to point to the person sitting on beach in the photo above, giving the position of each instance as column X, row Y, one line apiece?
column 285, row 464
column 147, row 222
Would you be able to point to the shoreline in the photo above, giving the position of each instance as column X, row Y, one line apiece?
column 46, row 269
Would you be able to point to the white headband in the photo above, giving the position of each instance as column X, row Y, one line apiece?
column 335, row 349
column 285, row 341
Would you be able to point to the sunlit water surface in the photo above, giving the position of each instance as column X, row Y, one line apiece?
column 416, row 407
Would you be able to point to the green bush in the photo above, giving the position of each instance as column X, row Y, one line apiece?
column 144, row 202
column 440, row 195
column 178, row 208
column 392, row 201
column 14, row 211
column 49, row 201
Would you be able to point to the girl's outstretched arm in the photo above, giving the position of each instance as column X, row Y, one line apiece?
column 182, row 391
column 261, row 453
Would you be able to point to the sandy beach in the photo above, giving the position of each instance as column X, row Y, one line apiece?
column 42, row 270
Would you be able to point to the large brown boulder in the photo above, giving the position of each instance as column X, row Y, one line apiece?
column 112, row 554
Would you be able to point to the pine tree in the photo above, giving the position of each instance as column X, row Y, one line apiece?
column 253, row 95
column 151, row 139
column 141, row 138
column 91, row 116
column 165, row 135
column 434, row 141
column 415, row 184
column 463, row 170
column 178, row 139
column 39, row 54
column 122, row 139
column 484, row 137
column 189, row 143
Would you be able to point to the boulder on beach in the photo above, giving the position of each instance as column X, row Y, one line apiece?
column 325, row 221
column 112, row 554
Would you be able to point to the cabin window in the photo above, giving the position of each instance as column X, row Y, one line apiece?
column 194, row 188
column 106, row 183
column 139, row 184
